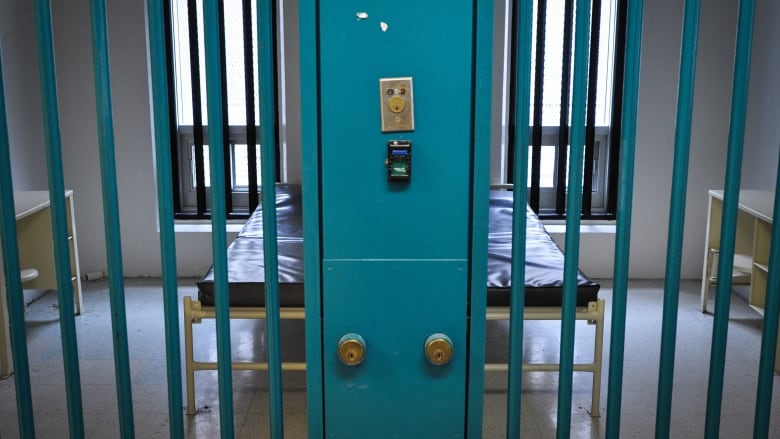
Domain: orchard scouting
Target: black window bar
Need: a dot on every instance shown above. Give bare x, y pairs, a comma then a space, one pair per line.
197, 115
590, 124
563, 127
536, 127
617, 105
171, 79
225, 121
249, 92
536, 130
202, 210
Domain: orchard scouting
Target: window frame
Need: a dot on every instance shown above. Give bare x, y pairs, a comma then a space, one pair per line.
190, 201
188, 181
599, 180
602, 143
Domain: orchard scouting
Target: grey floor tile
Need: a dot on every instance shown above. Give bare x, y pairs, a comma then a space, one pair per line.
539, 416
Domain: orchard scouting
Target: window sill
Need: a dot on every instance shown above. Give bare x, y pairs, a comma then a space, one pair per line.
604, 228
204, 227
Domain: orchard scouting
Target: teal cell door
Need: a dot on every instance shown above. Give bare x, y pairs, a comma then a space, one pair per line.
395, 170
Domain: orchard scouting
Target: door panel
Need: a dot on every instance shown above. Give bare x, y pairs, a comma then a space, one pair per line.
427, 217
395, 253
394, 306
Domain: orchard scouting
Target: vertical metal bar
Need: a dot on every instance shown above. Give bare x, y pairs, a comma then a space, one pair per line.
617, 106
480, 184
308, 15
217, 145
522, 23
674, 245
590, 124
536, 135
111, 216
249, 92
769, 336
62, 264
630, 97
13, 281
536, 124
573, 205
266, 27
563, 126
197, 113
162, 140
729, 220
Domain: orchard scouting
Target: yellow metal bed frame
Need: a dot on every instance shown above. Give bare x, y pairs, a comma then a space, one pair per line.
194, 312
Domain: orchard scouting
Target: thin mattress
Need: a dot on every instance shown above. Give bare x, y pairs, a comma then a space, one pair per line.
246, 274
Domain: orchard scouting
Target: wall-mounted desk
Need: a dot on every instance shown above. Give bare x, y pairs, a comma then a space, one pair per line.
36, 250
751, 250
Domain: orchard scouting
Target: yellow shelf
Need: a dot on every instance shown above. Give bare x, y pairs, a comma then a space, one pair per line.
751, 247
761, 267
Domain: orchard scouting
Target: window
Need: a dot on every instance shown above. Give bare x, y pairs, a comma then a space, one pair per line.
240, 110
239, 164
550, 115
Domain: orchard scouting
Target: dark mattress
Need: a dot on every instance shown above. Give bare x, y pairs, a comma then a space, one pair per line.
246, 276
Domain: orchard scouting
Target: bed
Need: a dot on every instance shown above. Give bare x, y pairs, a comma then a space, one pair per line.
246, 279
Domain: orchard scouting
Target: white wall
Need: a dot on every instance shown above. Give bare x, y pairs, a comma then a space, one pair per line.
656, 125
135, 173
655, 132
291, 126
760, 160
20, 73
78, 128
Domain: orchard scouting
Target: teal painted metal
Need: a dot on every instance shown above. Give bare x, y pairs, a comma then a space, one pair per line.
395, 305
481, 98
399, 248
573, 207
162, 140
729, 220
522, 16
265, 28
623, 224
116, 287
13, 281
310, 164
674, 247
343, 56
353, 146
212, 30
53, 142
769, 337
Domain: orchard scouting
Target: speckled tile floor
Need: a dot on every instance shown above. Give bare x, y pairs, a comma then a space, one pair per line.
250, 389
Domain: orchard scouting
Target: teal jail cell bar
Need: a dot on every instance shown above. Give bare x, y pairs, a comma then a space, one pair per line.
393, 133
395, 156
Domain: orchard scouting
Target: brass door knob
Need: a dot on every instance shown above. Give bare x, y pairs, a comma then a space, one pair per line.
352, 349
438, 349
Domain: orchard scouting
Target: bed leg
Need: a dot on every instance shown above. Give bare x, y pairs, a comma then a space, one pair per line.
597, 358
189, 357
